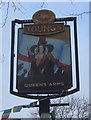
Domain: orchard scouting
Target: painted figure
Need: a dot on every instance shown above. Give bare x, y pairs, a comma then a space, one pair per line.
42, 64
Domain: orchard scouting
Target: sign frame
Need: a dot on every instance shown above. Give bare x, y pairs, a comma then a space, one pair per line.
62, 93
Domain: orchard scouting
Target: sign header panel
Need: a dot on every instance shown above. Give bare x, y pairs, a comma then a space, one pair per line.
44, 29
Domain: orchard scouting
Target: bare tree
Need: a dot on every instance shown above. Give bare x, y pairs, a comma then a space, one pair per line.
81, 108
78, 108
15, 4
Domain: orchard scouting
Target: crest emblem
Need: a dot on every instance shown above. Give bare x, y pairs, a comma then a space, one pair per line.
43, 16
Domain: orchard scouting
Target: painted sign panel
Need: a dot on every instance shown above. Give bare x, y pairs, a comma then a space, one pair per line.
44, 61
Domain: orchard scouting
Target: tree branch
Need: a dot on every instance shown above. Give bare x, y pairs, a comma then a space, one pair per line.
43, 3
20, 4
80, 14
7, 11
15, 5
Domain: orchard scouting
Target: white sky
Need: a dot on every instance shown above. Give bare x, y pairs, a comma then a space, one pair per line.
61, 9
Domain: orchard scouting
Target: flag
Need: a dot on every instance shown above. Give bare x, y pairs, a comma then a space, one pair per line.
17, 108
6, 113
32, 104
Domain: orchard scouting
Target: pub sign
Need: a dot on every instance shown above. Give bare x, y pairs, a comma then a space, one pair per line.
44, 60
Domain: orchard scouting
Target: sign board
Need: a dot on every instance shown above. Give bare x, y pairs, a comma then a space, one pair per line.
44, 60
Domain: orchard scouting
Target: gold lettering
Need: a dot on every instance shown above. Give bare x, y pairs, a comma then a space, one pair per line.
28, 28
54, 84
33, 85
50, 84
58, 84
40, 84
33, 28
36, 85
46, 28
25, 85
52, 28
40, 28
45, 84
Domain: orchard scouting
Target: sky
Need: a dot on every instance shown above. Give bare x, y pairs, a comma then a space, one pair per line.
62, 10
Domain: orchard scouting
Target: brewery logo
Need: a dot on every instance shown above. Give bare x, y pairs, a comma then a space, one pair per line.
43, 16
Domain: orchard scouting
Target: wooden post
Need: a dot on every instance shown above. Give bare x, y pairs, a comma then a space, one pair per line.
44, 109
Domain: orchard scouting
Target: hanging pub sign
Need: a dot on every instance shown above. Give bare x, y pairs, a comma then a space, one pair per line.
44, 60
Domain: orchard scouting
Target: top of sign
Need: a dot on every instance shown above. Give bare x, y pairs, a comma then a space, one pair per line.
43, 16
